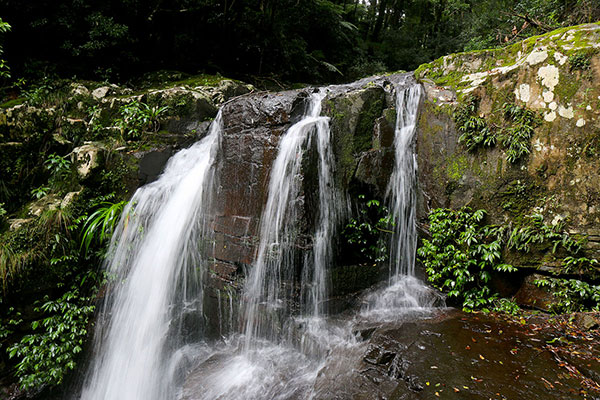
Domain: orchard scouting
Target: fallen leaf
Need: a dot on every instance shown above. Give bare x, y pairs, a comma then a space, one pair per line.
549, 384
482, 357
437, 394
467, 347
456, 390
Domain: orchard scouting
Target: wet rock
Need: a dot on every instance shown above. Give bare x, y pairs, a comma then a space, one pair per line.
459, 356
530, 295
152, 163
587, 321
560, 173
364, 334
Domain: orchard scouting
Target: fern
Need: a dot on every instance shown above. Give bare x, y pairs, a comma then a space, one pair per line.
101, 223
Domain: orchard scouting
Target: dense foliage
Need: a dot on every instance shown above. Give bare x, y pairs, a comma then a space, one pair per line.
44, 339
513, 131
368, 231
462, 253
296, 40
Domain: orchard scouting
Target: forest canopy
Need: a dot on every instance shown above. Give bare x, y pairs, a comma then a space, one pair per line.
293, 40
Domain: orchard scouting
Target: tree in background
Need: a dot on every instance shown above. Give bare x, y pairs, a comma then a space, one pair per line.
308, 40
4, 69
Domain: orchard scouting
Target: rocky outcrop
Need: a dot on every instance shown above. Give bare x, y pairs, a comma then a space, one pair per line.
556, 76
362, 119
453, 355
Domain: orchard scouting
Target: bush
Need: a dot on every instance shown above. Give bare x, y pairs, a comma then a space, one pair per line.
137, 118
368, 230
49, 353
461, 255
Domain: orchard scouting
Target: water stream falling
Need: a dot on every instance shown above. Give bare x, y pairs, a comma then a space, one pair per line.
153, 266
276, 263
404, 291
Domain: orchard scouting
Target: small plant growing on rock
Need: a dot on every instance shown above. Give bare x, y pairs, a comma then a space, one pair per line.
519, 125
475, 131
573, 295
368, 229
58, 166
137, 118
39, 192
516, 137
100, 225
580, 61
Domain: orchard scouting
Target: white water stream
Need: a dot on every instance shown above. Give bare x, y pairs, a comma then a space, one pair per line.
271, 284
152, 255
404, 291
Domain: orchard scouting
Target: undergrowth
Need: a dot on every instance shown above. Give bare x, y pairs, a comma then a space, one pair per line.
463, 252
514, 134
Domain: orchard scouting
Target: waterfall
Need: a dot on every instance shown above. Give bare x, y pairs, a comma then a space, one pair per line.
271, 282
154, 267
401, 190
149, 334
404, 291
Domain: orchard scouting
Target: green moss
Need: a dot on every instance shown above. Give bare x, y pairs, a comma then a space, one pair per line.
567, 87
457, 167
363, 137
200, 80
13, 102
437, 72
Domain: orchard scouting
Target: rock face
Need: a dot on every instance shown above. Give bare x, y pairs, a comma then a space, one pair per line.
557, 76
362, 125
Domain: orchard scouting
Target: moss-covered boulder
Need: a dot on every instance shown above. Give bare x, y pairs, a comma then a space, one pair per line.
554, 80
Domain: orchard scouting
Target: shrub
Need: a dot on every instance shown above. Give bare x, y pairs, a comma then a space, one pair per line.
101, 223
49, 353
137, 118
461, 255
474, 130
368, 229
516, 136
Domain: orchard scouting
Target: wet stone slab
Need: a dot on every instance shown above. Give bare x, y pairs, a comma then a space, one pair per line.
468, 356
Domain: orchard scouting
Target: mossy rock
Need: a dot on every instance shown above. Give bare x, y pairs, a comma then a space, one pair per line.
352, 124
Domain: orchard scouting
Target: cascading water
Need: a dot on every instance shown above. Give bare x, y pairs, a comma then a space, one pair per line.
275, 264
285, 337
401, 191
154, 266
404, 290
276, 356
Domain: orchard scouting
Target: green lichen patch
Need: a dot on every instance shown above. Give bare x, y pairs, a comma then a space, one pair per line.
462, 71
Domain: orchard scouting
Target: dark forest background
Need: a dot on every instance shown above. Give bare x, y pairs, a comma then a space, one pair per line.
289, 40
